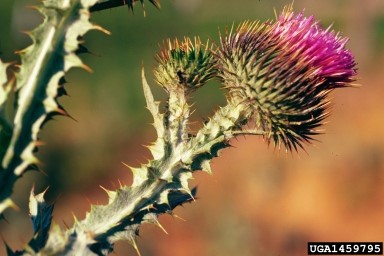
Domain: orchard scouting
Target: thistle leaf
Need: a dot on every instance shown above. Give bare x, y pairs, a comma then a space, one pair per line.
39, 82
153, 107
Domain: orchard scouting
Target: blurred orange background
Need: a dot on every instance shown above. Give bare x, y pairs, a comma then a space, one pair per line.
260, 200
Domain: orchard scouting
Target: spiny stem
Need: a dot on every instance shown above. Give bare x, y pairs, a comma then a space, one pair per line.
177, 117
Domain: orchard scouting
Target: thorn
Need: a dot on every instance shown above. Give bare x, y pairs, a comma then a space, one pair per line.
43, 172
13, 205
101, 29
20, 52
28, 33
157, 223
65, 224
61, 111
189, 192
126, 165
106, 190
86, 67
176, 216
43, 193
74, 217
134, 245
33, 190
103, 188
89, 200
32, 7
39, 143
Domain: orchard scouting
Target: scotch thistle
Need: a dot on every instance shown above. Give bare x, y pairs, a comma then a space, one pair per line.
276, 76
282, 72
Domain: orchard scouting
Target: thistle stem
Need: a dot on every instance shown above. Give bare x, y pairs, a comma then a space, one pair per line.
177, 117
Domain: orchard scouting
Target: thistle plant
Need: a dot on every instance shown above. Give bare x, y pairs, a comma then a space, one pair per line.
276, 77
281, 74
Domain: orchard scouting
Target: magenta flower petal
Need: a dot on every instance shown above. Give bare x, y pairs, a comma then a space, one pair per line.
320, 48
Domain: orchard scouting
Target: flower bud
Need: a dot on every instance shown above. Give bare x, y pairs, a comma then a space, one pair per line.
185, 65
282, 72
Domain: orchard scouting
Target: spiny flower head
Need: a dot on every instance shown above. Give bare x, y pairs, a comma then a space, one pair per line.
185, 65
282, 72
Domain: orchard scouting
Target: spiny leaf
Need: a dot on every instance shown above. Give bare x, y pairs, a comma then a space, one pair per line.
40, 79
153, 107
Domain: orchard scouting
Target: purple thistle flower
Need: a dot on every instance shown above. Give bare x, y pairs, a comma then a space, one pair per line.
324, 50
282, 73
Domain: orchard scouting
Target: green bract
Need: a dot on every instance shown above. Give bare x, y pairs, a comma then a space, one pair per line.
186, 64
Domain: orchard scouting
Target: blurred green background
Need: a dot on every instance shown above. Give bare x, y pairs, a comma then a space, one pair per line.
260, 201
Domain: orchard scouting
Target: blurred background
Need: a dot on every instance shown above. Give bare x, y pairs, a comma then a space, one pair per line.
260, 201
